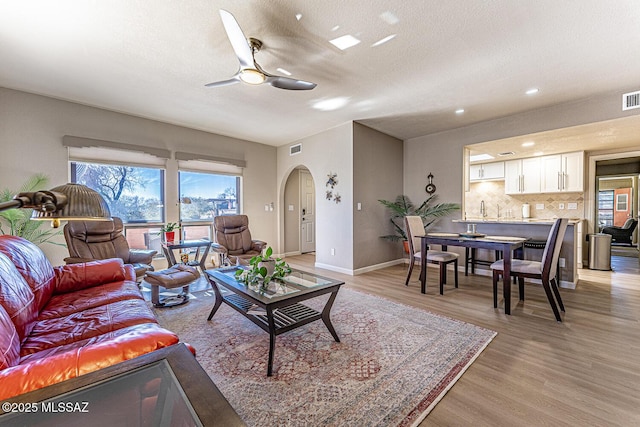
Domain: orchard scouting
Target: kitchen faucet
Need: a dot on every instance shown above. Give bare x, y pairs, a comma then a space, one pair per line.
483, 211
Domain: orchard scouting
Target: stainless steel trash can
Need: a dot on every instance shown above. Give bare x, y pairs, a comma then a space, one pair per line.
600, 251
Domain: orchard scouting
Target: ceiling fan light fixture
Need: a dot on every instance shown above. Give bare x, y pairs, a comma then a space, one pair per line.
252, 76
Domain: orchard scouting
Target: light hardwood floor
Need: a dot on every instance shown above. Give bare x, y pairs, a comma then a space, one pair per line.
584, 371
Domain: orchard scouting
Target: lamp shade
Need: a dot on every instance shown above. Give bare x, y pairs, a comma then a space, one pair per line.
82, 204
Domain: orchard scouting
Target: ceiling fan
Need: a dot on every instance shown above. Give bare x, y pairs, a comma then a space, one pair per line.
250, 72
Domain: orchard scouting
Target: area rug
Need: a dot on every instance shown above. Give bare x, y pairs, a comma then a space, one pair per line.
393, 364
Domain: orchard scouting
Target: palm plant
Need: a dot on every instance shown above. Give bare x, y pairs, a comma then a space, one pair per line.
17, 221
403, 206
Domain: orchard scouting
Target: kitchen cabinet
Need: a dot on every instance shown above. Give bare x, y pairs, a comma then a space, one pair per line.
522, 176
486, 171
562, 173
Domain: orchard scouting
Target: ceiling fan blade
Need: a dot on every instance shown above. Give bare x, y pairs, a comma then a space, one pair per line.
289, 83
228, 82
238, 40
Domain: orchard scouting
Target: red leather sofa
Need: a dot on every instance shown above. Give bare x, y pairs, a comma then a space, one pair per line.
57, 323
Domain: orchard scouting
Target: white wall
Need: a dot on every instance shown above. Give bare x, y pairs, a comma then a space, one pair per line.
328, 151
32, 127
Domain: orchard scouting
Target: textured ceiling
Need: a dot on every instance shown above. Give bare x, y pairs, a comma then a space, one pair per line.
152, 58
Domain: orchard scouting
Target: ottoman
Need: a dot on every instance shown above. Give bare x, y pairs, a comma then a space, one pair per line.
179, 275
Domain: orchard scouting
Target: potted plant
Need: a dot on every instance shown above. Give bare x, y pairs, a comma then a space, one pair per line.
403, 206
169, 231
263, 269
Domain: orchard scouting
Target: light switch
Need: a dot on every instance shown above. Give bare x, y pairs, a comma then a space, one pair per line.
572, 206
539, 206
291, 208
359, 206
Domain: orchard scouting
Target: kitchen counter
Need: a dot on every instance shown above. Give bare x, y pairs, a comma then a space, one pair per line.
541, 221
571, 253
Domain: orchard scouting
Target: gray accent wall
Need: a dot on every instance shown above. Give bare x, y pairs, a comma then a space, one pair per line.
377, 174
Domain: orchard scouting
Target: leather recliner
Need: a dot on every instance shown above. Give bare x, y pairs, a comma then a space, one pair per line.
96, 240
624, 234
234, 239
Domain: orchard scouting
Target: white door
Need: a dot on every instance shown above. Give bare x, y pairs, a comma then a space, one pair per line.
307, 213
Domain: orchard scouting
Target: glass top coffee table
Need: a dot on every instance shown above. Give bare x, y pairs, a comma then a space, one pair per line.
276, 309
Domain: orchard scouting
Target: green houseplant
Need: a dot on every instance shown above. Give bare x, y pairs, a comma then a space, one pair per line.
428, 210
17, 221
263, 269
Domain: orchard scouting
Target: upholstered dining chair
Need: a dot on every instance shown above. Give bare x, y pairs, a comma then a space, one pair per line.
234, 240
93, 240
544, 270
415, 228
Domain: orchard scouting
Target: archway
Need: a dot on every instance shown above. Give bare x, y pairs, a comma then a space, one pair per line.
299, 212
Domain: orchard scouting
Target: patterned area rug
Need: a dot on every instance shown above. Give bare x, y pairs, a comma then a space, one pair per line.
393, 364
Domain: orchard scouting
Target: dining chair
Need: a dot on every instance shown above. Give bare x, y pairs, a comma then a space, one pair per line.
415, 228
544, 270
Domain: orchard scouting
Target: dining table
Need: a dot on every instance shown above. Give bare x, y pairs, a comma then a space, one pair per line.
506, 244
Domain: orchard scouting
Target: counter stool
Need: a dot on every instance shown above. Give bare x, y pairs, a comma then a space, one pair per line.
179, 275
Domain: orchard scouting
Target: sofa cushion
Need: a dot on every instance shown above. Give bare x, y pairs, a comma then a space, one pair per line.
72, 302
9, 341
17, 298
72, 277
89, 323
34, 373
32, 264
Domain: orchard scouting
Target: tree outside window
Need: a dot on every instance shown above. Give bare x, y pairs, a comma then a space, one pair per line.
204, 196
134, 194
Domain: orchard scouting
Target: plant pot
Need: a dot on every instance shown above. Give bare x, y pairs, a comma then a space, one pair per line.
406, 246
270, 265
169, 236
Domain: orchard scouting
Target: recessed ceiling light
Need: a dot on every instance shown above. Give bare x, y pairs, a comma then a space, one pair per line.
331, 103
538, 153
460, 111
532, 91
344, 42
298, 16
389, 17
384, 40
283, 71
528, 144
506, 153
479, 157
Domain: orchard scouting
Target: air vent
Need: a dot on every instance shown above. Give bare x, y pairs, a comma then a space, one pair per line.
506, 153
295, 149
631, 100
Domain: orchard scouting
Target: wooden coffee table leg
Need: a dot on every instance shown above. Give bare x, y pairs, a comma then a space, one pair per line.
218, 302
325, 315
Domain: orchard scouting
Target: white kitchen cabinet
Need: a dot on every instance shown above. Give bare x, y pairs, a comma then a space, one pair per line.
486, 171
563, 173
522, 176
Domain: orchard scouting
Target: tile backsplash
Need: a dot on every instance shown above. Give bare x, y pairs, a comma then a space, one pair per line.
492, 192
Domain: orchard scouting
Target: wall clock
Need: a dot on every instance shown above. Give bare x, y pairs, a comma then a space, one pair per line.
430, 188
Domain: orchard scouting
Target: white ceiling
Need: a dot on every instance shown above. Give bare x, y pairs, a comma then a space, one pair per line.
152, 58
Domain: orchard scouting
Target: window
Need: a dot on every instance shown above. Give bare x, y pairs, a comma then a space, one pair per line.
622, 202
605, 208
134, 194
204, 196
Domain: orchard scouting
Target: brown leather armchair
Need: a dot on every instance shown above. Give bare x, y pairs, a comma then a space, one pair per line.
93, 240
234, 239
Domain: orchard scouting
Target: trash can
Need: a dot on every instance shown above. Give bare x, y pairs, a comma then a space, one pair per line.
600, 251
